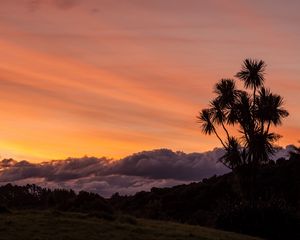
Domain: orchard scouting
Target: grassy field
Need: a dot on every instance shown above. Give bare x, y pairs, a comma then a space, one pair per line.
58, 226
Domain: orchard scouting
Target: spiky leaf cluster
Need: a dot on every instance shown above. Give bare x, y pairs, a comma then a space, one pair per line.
253, 112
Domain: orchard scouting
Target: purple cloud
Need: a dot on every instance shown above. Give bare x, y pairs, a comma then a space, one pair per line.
140, 171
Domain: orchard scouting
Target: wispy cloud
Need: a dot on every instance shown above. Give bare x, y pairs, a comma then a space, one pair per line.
133, 74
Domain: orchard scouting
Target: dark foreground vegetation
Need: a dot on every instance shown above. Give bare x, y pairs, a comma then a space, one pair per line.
47, 225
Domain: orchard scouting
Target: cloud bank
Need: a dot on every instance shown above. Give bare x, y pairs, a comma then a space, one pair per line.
137, 172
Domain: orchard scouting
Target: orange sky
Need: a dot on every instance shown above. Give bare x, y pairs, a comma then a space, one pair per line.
115, 77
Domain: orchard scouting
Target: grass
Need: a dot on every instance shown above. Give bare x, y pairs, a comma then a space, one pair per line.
41, 225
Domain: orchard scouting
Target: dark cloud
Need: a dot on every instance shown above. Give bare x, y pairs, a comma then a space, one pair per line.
163, 163
56, 171
140, 171
6, 163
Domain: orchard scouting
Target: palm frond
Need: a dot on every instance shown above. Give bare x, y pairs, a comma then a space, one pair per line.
252, 73
205, 119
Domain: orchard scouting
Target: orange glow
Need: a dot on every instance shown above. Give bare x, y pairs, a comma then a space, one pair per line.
103, 78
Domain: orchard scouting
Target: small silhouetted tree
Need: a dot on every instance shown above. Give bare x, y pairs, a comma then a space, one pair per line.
295, 153
254, 110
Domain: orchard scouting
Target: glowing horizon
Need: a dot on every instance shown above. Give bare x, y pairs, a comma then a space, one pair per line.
109, 79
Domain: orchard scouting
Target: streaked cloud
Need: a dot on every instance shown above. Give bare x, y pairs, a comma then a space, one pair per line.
105, 77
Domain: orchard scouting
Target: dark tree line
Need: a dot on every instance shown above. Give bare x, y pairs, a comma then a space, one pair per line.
32, 196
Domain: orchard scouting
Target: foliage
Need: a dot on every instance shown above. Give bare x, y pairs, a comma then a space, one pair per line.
295, 153
253, 112
32, 196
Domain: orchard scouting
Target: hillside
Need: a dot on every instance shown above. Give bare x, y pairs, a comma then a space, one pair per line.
220, 202
57, 225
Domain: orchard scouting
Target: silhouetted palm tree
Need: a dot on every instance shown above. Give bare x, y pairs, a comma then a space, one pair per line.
254, 114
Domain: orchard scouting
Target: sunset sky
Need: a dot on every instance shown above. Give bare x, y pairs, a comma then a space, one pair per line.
110, 78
